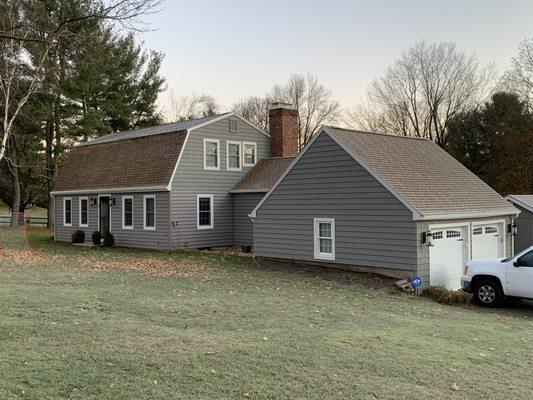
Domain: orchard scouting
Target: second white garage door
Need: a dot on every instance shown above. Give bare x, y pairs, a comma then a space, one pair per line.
447, 257
487, 241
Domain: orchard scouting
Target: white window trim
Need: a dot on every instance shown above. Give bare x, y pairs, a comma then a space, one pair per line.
124, 226
217, 142
244, 144
227, 156
65, 199
79, 212
145, 197
212, 224
318, 254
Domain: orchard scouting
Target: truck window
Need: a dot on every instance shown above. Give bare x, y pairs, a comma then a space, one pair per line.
526, 260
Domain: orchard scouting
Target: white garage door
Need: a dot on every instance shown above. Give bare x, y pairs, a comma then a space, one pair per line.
447, 257
487, 241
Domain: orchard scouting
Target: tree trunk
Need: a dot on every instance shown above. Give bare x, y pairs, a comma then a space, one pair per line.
15, 205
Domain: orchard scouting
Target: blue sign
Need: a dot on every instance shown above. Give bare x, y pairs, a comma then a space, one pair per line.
416, 281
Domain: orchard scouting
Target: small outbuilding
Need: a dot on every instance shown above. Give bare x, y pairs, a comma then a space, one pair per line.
524, 222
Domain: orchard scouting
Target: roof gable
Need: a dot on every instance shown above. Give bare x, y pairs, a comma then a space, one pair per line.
426, 179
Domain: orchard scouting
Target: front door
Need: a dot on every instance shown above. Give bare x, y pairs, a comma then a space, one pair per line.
104, 214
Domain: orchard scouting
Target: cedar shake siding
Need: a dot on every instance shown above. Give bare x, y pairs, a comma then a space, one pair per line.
372, 227
192, 179
136, 237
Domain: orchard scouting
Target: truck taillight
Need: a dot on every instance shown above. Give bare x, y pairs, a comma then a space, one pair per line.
465, 270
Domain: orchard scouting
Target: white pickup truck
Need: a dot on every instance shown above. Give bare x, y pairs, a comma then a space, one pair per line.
491, 280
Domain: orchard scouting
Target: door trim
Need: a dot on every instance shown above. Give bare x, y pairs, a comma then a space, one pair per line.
104, 195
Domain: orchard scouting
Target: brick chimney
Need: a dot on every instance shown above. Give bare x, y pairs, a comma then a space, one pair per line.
283, 123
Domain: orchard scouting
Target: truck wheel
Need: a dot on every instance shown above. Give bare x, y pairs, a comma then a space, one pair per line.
487, 293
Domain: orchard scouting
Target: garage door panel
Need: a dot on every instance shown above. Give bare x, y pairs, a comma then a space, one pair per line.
487, 241
447, 257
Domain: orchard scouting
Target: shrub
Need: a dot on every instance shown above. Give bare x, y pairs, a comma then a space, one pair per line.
445, 296
109, 239
97, 238
78, 237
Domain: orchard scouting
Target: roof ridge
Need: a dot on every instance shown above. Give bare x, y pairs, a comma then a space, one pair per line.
377, 133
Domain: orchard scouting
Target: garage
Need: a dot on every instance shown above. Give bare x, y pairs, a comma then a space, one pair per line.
447, 256
487, 241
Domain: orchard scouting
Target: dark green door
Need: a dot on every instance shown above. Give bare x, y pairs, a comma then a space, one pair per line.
104, 214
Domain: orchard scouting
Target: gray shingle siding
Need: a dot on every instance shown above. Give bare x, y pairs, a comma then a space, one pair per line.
136, 237
372, 227
191, 179
524, 223
243, 227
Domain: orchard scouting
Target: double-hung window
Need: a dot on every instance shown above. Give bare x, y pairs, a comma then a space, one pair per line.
211, 154
234, 156
67, 211
204, 211
249, 150
127, 212
149, 212
84, 212
324, 238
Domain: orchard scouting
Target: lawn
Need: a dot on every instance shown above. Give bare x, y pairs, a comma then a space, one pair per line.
80, 323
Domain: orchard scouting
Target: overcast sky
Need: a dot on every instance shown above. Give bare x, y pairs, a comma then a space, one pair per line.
231, 49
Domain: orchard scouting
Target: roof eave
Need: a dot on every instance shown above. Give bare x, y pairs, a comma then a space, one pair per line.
467, 215
514, 200
111, 190
248, 190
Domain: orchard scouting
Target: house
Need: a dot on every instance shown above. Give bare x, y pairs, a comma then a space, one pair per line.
524, 222
397, 205
169, 186
394, 205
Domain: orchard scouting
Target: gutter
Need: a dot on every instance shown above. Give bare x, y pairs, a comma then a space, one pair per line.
487, 214
112, 190
249, 191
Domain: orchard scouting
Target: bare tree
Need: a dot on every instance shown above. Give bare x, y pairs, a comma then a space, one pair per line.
423, 90
314, 102
179, 108
127, 13
519, 78
254, 109
21, 74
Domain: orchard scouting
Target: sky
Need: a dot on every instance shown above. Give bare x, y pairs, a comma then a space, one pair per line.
232, 49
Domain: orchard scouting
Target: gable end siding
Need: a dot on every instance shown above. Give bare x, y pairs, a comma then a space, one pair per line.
524, 223
372, 227
192, 179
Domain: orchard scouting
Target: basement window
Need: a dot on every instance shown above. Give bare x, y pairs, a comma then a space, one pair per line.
67, 211
324, 238
204, 211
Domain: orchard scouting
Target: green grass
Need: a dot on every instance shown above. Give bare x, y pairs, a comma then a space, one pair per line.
237, 329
